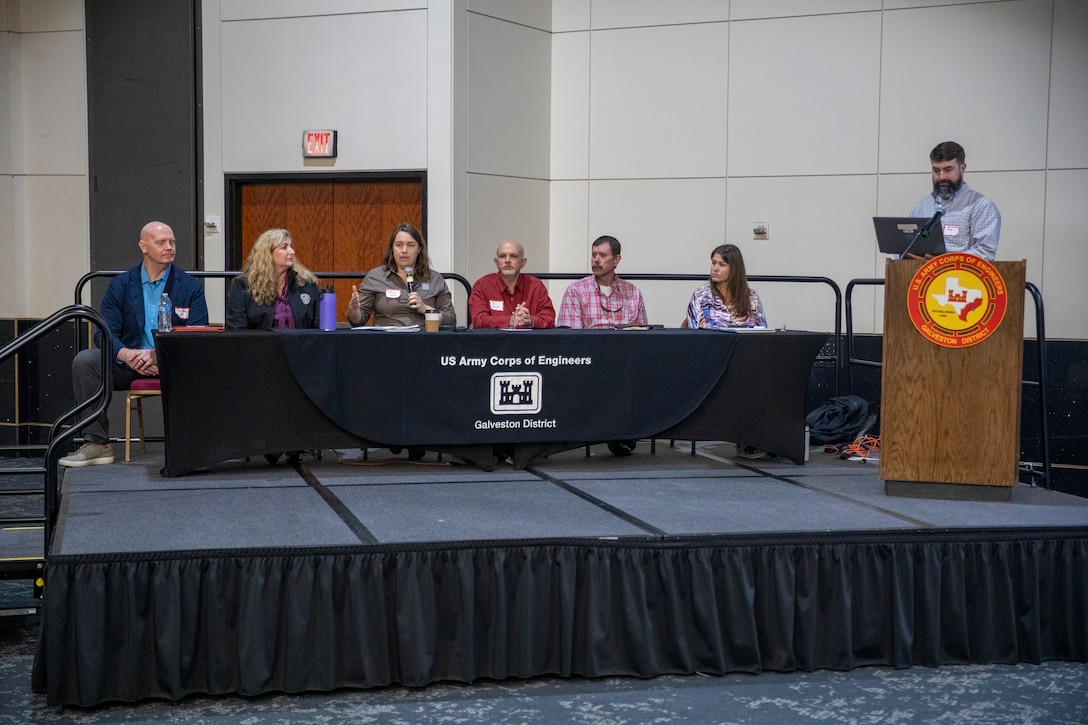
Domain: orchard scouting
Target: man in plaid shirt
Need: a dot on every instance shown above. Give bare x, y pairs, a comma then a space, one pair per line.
971, 223
603, 300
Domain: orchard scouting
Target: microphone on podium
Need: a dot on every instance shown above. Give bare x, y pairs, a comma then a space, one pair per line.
923, 232
409, 277
929, 225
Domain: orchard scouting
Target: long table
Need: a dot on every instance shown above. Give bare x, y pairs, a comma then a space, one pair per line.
472, 394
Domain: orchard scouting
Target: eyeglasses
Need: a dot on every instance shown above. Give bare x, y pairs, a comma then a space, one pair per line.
607, 301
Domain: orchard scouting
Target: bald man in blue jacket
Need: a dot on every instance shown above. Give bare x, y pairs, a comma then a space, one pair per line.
130, 309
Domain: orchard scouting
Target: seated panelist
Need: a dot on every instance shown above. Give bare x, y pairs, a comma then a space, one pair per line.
399, 291
508, 298
602, 300
274, 290
727, 301
130, 309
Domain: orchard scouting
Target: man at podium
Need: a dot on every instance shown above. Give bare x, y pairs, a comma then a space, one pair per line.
971, 222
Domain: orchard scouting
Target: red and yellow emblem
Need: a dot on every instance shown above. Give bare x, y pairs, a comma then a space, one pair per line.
957, 299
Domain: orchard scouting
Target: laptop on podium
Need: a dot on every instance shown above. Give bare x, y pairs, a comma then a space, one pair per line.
894, 235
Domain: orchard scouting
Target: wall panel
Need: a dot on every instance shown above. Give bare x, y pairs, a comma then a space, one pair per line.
658, 102
804, 94
983, 81
509, 98
1067, 142
142, 132
363, 74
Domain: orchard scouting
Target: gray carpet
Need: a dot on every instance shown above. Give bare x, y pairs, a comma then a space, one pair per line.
1052, 693
707, 492
131, 507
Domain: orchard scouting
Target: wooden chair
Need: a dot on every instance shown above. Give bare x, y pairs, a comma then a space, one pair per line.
140, 389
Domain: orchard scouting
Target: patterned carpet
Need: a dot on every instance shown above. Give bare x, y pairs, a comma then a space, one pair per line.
1051, 693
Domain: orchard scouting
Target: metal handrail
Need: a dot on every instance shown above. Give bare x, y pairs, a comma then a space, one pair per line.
1041, 383
58, 435
228, 274
1040, 343
835, 357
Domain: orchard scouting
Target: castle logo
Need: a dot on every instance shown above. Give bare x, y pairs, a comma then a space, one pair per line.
957, 300
515, 393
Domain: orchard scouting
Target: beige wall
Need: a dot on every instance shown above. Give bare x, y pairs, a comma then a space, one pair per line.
377, 71
43, 155
672, 125
508, 101
676, 125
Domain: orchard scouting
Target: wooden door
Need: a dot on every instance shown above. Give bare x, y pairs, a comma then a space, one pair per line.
340, 225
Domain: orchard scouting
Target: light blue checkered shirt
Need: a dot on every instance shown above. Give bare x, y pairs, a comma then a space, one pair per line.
971, 222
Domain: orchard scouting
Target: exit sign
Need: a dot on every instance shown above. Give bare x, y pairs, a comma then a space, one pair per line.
319, 144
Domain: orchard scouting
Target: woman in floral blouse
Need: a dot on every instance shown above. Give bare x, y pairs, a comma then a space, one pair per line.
727, 301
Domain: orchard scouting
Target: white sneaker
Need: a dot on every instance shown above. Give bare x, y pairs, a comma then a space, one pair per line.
89, 454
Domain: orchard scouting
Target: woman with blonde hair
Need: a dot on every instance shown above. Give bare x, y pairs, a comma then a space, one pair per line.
274, 290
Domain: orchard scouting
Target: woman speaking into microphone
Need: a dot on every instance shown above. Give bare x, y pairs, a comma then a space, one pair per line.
399, 291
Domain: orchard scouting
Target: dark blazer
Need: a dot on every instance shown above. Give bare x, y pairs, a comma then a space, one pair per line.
123, 305
243, 312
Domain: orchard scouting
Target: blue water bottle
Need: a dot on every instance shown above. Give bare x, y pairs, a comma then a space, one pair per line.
327, 311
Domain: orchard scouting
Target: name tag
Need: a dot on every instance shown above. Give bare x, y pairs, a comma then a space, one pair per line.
497, 305
182, 312
393, 294
951, 230
426, 286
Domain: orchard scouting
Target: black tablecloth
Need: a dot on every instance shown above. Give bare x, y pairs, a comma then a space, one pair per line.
447, 388
235, 394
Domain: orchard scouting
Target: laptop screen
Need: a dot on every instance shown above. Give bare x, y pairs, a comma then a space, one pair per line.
895, 233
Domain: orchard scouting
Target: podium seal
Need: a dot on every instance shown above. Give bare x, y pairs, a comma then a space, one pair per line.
957, 299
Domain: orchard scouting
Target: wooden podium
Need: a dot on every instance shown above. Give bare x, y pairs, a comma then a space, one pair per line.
950, 416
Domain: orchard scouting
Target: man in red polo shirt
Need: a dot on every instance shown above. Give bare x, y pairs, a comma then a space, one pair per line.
508, 298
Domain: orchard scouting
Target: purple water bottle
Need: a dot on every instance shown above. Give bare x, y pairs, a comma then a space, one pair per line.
328, 309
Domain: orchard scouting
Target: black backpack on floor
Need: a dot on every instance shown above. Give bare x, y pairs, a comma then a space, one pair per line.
839, 420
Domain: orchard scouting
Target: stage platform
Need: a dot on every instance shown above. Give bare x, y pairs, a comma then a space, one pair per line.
339, 572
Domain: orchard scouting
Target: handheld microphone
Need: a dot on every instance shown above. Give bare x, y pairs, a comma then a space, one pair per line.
410, 278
